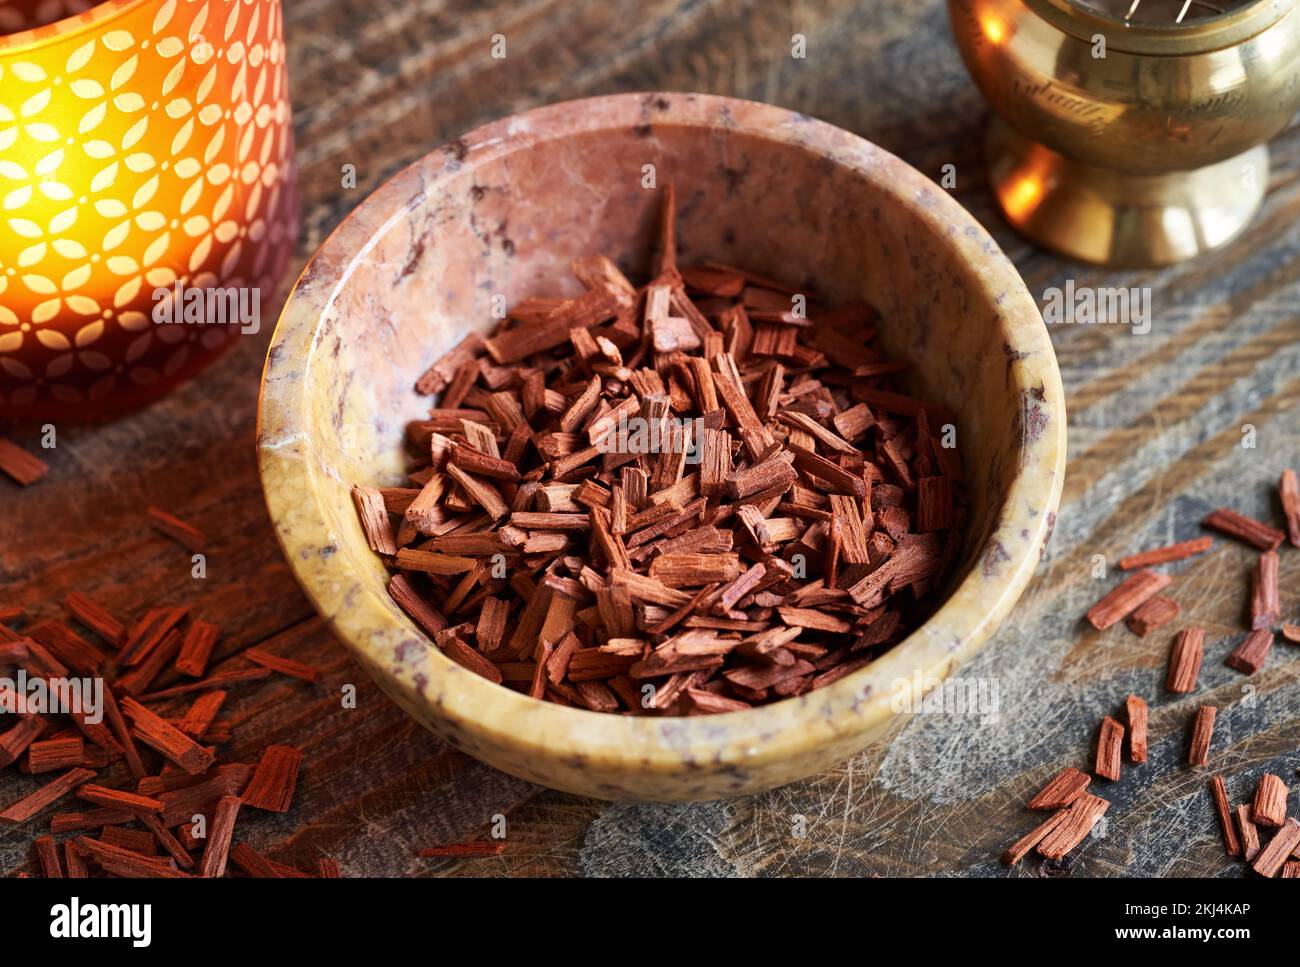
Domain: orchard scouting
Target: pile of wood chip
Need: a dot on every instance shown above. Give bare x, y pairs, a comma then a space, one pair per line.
145, 764
1259, 832
693, 496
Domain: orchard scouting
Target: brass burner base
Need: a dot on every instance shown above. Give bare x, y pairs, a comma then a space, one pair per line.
1121, 220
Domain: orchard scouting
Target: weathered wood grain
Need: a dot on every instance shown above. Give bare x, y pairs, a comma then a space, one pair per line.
1155, 441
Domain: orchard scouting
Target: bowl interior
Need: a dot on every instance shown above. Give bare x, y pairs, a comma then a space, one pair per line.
508, 228
500, 215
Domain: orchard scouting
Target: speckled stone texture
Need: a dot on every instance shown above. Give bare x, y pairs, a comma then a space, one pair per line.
503, 210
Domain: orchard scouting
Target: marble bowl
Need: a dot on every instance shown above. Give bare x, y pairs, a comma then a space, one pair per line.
503, 210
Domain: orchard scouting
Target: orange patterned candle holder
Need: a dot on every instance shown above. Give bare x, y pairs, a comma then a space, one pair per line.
148, 197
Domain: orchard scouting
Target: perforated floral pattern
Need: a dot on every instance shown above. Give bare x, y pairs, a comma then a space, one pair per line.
139, 147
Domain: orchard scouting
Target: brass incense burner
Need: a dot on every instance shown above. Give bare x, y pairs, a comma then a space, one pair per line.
1131, 133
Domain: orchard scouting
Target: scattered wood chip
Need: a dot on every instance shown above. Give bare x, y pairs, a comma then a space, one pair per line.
274, 780
118, 799
1250, 655
254, 864
1110, 745
113, 712
1185, 660
1156, 612
1289, 492
54, 754
1270, 801
1126, 598
1025, 845
170, 742
1136, 709
196, 649
1265, 603
1063, 788
54, 790
74, 862
96, 618
17, 739
1163, 555
220, 831
1202, 732
119, 861
1244, 528
285, 666
20, 465
1248, 832
1227, 826
1080, 817
47, 855
178, 530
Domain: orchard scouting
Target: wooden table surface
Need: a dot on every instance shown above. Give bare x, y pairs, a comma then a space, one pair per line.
1156, 430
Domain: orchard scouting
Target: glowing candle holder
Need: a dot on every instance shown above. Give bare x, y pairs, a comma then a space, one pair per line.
146, 151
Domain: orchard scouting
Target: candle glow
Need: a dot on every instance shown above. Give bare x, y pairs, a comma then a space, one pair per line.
143, 145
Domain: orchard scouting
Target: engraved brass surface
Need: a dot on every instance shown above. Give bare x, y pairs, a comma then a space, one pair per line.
1132, 143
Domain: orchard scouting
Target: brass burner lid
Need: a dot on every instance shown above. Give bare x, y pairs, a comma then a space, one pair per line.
1207, 31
